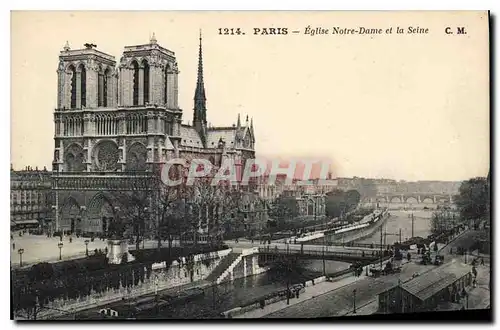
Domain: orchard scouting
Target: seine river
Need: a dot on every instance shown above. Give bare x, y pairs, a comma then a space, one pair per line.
401, 220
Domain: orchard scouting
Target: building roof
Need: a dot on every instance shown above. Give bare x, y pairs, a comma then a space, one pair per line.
227, 134
432, 282
168, 144
190, 138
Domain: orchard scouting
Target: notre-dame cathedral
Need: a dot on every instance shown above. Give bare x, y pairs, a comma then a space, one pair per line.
114, 124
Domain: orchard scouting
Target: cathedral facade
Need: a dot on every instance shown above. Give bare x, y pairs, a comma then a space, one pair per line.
116, 124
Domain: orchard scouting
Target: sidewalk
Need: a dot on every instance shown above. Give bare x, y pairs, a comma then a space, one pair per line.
366, 309
310, 293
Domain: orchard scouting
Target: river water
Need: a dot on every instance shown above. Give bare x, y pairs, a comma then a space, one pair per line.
401, 220
246, 290
240, 292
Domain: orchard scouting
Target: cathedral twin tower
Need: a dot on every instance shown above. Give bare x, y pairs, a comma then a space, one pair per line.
123, 118
147, 74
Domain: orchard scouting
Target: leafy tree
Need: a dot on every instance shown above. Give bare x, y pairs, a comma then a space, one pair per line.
473, 199
339, 202
352, 198
284, 207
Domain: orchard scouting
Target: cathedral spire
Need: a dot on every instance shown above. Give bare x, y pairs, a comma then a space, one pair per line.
199, 95
200, 109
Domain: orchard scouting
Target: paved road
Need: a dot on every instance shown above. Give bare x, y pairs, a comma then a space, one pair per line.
340, 302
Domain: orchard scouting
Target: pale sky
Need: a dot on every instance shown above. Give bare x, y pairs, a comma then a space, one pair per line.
412, 107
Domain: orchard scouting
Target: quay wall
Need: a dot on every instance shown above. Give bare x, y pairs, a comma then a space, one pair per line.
161, 278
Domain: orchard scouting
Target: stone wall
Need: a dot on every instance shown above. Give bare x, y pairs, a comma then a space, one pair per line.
177, 274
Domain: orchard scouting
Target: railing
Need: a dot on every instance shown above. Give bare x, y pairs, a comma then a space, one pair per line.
317, 253
360, 245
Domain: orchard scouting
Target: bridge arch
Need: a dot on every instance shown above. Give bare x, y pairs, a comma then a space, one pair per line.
411, 200
427, 200
396, 200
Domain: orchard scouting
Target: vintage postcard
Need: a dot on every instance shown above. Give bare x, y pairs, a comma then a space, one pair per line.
222, 165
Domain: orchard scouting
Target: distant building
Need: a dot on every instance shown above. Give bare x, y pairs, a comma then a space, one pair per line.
306, 204
250, 216
30, 198
428, 291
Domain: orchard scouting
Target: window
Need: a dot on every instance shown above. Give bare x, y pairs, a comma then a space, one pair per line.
146, 82
165, 92
73, 87
83, 87
135, 67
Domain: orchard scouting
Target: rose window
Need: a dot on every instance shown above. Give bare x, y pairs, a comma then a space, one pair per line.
107, 156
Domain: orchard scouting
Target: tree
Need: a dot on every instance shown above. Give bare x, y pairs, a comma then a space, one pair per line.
473, 199
132, 215
284, 208
352, 198
171, 207
335, 203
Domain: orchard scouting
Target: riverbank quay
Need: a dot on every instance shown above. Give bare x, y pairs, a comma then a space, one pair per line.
333, 302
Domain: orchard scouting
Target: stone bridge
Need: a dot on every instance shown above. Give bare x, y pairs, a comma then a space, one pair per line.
270, 255
410, 198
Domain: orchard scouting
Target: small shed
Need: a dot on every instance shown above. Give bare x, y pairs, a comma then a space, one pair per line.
425, 292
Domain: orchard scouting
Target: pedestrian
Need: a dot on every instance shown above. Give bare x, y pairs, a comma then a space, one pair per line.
482, 261
70, 239
474, 283
13, 246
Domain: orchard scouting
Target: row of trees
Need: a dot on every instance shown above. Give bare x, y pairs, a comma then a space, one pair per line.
473, 199
168, 212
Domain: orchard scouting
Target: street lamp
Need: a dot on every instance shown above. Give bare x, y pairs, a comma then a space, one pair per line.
86, 247
354, 301
60, 245
143, 234
20, 251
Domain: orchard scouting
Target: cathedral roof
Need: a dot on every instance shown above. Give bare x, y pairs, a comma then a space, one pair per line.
168, 144
190, 137
227, 134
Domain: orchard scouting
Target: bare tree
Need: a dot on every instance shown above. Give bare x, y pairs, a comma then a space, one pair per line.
134, 210
171, 214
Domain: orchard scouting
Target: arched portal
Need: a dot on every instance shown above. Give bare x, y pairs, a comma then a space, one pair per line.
310, 207
70, 219
100, 214
428, 200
